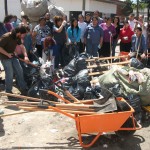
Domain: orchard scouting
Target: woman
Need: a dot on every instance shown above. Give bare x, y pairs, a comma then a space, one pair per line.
26, 22
126, 36
74, 32
83, 26
40, 31
109, 33
60, 37
93, 37
116, 23
87, 19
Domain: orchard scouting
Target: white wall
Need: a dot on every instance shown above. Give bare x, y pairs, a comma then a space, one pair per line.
14, 8
102, 7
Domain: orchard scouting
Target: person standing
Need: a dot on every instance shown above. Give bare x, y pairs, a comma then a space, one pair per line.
60, 37
125, 36
49, 22
87, 19
82, 25
116, 23
109, 33
40, 32
7, 23
8, 43
93, 37
132, 21
97, 14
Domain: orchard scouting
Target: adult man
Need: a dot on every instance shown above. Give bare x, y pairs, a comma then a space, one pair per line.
8, 43
139, 44
49, 23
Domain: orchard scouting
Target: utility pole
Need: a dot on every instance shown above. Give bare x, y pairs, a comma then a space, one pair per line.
6, 8
83, 7
137, 9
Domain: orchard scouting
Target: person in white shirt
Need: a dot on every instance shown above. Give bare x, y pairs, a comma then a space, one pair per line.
132, 21
83, 26
142, 24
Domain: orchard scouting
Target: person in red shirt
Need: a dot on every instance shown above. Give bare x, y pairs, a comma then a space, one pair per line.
125, 36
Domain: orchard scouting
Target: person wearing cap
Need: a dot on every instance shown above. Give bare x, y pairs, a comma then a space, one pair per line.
87, 19
125, 37
40, 32
8, 43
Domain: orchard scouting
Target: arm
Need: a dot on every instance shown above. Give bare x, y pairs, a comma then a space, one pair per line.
58, 30
24, 52
78, 35
2, 51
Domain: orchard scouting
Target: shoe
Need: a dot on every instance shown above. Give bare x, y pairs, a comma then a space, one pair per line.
1, 112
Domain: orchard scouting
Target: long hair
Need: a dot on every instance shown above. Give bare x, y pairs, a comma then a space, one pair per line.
57, 19
118, 23
72, 26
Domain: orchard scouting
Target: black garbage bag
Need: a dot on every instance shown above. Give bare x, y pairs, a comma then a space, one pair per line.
82, 78
89, 94
70, 69
37, 92
116, 90
80, 64
73, 51
136, 63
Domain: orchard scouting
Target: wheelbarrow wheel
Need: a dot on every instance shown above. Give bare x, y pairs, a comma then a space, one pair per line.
127, 124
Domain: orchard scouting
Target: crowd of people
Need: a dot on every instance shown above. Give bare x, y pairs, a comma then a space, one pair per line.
52, 36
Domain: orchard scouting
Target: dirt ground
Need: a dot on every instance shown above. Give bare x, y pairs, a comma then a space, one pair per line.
53, 131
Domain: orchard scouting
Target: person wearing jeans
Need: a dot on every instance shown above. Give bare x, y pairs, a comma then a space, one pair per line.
8, 43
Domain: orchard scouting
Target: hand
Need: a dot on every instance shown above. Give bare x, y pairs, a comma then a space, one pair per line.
143, 56
10, 55
26, 59
64, 23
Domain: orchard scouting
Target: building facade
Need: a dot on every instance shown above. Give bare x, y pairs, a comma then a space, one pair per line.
71, 7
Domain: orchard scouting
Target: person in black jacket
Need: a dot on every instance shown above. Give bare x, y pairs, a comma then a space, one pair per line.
49, 22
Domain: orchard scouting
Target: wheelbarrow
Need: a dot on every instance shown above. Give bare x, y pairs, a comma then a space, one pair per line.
89, 122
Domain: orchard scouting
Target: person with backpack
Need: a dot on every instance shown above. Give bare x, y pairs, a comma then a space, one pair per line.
93, 37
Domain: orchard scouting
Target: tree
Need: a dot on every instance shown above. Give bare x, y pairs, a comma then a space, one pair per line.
127, 9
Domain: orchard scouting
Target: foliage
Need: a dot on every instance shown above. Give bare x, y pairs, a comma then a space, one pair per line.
127, 9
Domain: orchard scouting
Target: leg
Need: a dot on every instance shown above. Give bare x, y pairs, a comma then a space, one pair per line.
95, 50
114, 47
19, 74
89, 48
8, 67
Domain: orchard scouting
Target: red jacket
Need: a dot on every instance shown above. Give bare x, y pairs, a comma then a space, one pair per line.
126, 32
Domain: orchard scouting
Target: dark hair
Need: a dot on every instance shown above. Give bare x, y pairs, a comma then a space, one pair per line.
139, 28
21, 30
15, 16
88, 14
72, 21
118, 23
42, 18
125, 21
132, 15
95, 18
8, 18
57, 19
107, 18
25, 17
96, 11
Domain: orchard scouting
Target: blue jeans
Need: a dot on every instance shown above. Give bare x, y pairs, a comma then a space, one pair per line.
12, 66
92, 49
114, 44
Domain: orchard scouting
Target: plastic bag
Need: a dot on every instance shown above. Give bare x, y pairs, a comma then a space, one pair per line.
136, 63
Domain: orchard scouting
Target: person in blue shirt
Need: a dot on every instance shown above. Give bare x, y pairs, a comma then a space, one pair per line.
139, 44
93, 37
74, 32
3, 30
